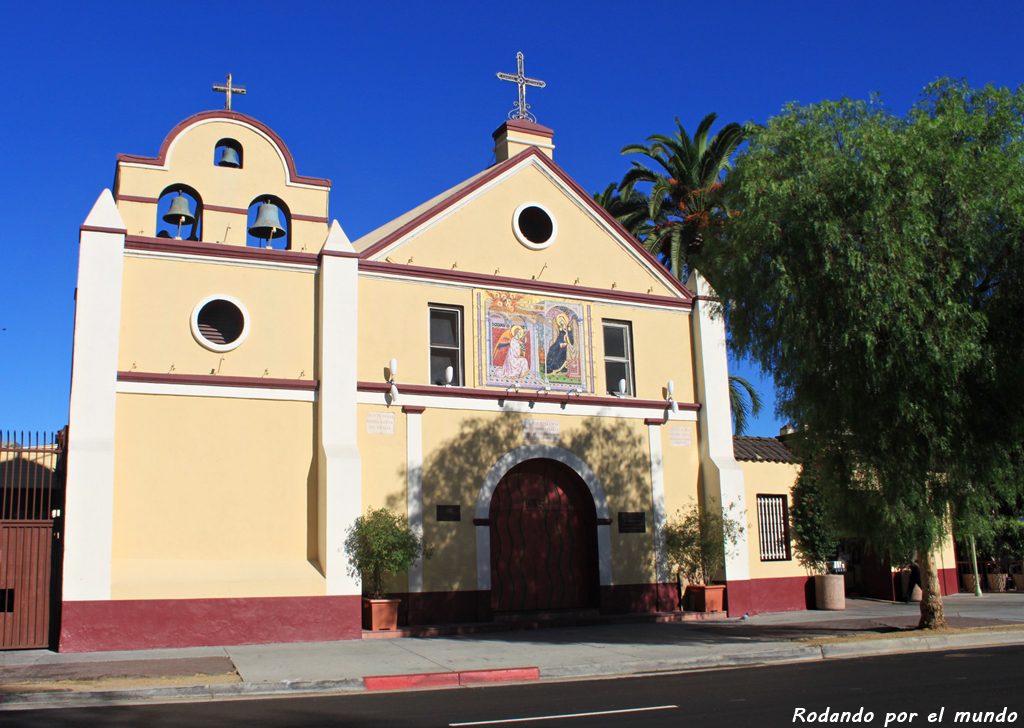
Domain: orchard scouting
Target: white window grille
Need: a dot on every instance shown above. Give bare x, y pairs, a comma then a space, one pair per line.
773, 528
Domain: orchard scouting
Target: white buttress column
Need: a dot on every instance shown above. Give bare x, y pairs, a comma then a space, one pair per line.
414, 487
658, 502
723, 478
89, 504
339, 471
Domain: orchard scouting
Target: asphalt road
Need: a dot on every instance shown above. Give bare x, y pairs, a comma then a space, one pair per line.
922, 684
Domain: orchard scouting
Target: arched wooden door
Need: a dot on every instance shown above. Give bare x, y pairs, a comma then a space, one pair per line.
543, 540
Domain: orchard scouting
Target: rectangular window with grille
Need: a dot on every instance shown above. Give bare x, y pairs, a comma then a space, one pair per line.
773, 528
445, 344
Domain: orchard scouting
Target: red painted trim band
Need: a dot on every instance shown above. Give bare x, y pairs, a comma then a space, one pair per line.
138, 198
337, 254
450, 679
308, 218
489, 281
412, 410
161, 157
532, 396
215, 380
98, 229
220, 250
527, 127
224, 208
655, 420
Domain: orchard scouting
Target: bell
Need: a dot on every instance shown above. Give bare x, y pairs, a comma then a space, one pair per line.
268, 222
178, 213
229, 158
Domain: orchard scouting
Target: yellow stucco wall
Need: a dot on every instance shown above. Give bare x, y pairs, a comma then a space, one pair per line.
478, 237
460, 448
394, 318
191, 161
213, 497
157, 301
766, 478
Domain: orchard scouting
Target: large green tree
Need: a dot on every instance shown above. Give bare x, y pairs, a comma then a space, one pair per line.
876, 271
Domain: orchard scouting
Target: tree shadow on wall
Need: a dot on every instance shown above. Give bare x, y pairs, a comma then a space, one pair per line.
453, 473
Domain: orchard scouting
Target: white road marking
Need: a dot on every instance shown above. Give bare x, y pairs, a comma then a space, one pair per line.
566, 715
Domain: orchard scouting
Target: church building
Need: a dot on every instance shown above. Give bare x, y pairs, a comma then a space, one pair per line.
503, 365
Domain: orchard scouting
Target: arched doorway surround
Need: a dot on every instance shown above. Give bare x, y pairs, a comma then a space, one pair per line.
509, 460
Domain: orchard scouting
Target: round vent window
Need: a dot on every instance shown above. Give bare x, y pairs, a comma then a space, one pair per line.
534, 226
220, 323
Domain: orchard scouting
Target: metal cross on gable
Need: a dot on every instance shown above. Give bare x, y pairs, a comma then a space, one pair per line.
522, 109
227, 90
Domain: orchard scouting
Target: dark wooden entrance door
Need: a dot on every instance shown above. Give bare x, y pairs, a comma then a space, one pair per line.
543, 540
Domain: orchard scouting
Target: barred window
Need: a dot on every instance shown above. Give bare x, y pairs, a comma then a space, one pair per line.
773, 528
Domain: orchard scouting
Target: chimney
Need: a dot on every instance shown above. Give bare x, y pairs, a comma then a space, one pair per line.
516, 135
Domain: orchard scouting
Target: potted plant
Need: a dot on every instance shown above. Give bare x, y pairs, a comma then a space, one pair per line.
695, 542
380, 544
815, 539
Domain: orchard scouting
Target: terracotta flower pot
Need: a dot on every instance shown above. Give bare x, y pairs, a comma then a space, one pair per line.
705, 597
380, 614
829, 591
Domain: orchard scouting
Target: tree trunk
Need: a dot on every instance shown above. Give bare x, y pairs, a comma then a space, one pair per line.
931, 594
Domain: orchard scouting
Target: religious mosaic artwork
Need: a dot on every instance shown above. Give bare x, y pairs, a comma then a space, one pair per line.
533, 342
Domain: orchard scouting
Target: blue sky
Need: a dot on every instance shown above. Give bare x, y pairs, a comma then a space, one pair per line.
396, 102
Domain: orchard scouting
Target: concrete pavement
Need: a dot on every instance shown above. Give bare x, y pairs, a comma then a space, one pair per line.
39, 677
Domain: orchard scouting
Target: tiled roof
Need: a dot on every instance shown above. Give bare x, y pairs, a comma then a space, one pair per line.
762, 449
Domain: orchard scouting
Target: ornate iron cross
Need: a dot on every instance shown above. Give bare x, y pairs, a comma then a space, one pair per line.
522, 109
227, 90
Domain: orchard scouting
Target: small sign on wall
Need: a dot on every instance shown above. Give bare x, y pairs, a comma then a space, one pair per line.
541, 430
679, 436
380, 423
449, 513
632, 522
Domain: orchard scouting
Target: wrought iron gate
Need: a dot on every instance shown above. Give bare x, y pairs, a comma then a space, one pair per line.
31, 504
543, 540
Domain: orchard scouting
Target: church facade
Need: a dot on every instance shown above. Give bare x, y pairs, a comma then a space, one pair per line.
503, 365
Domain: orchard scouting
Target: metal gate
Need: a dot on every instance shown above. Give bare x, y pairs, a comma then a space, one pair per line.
31, 502
543, 540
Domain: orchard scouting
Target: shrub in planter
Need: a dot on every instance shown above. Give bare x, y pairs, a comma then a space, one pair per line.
696, 540
380, 544
815, 538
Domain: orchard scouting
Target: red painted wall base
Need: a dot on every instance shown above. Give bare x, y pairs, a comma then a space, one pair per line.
143, 624
947, 581
754, 596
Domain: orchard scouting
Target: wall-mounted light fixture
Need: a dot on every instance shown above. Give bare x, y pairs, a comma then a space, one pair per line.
392, 373
670, 389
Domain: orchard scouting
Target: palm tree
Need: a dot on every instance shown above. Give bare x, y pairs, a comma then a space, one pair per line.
626, 205
686, 197
745, 402
685, 201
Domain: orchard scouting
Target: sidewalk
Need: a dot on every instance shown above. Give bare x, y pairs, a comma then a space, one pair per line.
40, 678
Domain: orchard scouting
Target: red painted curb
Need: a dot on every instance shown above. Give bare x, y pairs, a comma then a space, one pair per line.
450, 679
470, 677
404, 682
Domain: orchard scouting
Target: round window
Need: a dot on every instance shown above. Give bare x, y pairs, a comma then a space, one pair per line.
534, 226
220, 323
